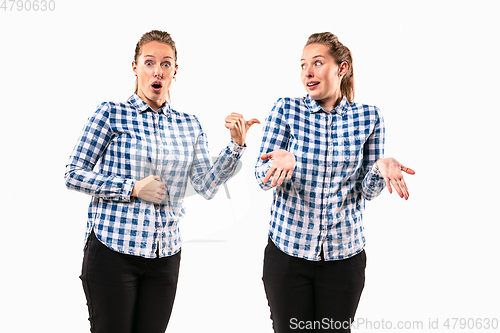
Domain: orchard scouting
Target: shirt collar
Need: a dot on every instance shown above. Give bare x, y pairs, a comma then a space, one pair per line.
142, 106
314, 107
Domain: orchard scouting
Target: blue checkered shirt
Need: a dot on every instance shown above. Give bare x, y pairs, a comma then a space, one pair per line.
321, 207
125, 142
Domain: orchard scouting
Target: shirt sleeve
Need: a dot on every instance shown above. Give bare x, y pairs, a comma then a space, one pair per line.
276, 135
88, 150
206, 178
373, 183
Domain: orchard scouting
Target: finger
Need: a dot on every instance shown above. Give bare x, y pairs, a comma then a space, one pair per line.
265, 157
231, 124
289, 175
276, 176
282, 177
154, 199
269, 174
242, 124
156, 178
405, 189
397, 188
253, 121
407, 170
388, 184
234, 115
234, 119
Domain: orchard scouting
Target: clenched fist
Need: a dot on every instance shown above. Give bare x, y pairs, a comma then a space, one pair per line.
238, 127
150, 189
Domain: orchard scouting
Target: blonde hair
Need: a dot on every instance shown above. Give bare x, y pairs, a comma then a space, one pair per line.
341, 54
153, 36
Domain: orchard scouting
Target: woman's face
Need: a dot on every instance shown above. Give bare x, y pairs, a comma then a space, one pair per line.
155, 69
321, 76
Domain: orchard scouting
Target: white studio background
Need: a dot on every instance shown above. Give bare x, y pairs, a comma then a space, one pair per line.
431, 66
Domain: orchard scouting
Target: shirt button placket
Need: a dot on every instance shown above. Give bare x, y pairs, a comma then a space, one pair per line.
156, 148
328, 176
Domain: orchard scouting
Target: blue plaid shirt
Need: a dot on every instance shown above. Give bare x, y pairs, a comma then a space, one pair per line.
125, 142
322, 206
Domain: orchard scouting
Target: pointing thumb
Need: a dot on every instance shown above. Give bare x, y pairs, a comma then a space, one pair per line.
253, 121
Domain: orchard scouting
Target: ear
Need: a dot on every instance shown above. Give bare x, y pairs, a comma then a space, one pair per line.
343, 68
176, 68
134, 67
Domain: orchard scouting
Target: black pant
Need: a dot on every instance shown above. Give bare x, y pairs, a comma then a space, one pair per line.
309, 296
125, 293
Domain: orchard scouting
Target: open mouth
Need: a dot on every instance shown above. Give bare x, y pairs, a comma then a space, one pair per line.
156, 85
312, 84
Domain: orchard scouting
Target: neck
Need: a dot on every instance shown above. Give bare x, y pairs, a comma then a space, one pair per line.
331, 103
154, 104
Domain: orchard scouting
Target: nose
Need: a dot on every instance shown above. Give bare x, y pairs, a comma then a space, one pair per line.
158, 72
309, 71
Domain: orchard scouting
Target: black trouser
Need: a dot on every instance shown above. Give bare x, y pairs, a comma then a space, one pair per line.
125, 293
312, 296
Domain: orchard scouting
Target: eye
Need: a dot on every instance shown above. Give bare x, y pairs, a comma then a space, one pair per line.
318, 63
148, 63
302, 66
166, 64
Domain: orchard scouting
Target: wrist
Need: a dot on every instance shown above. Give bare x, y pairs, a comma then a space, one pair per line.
240, 141
134, 190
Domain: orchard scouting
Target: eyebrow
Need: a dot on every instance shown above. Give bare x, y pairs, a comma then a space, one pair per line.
316, 56
150, 55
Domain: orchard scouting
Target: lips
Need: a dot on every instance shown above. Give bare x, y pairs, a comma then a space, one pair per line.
156, 86
311, 85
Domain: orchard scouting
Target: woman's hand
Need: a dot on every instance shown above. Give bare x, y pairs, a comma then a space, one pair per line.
391, 169
150, 189
282, 165
238, 127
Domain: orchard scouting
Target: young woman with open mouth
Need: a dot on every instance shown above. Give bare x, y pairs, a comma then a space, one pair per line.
323, 155
135, 159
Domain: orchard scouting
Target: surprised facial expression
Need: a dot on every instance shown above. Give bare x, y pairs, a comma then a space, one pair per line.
155, 69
